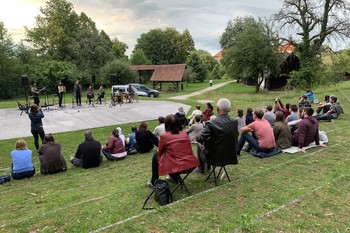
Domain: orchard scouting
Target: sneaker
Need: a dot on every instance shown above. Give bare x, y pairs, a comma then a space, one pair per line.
149, 184
198, 170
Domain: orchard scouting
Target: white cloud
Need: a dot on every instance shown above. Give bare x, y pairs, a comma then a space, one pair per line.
128, 19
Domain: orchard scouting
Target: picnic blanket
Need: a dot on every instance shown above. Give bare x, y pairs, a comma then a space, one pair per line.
294, 149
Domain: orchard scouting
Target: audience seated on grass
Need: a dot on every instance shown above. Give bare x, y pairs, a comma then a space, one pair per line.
195, 112
269, 115
121, 135
174, 154
207, 113
219, 137
249, 116
293, 113
51, 157
114, 150
278, 106
88, 154
146, 140
307, 131
130, 142
304, 102
240, 119
182, 116
333, 111
324, 106
159, 129
310, 95
263, 139
22, 165
281, 131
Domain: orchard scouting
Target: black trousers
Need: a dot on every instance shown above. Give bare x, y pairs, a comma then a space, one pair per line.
36, 133
155, 174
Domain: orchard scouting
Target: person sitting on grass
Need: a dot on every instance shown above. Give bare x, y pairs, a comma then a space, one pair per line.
195, 112
304, 102
310, 95
281, 131
280, 107
269, 115
263, 139
307, 131
240, 119
146, 140
174, 153
293, 113
51, 158
159, 129
88, 154
333, 111
325, 105
130, 142
249, 116
22, 165
114, 150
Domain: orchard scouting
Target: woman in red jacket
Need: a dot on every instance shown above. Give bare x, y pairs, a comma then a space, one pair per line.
174, 152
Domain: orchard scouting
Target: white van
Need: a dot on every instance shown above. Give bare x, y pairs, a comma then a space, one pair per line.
120, 89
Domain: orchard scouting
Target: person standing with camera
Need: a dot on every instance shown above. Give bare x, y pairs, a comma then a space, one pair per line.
36, 124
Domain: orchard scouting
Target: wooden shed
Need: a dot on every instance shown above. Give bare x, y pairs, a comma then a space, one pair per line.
163, 73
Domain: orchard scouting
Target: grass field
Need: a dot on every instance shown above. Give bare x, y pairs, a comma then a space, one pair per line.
304, 192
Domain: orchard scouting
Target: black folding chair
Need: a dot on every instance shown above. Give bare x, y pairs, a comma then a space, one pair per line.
181, 181
23, 107
213, 175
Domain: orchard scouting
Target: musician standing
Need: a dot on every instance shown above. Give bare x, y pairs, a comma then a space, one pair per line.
77, 91
35, 93
60, 92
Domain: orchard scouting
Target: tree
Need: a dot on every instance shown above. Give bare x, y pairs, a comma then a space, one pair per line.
165, 46
138, 57
55, 30
252, 51
9, 66
197, 66
207, 59
119, 68
315, 22
119, 48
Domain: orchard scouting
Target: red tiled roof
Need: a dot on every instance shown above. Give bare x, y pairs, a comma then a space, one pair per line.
218, 54
286, 47
164, 73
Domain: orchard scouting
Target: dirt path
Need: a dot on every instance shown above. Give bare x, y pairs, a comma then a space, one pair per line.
183, 97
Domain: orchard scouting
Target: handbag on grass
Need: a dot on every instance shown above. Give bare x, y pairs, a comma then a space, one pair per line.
162, 194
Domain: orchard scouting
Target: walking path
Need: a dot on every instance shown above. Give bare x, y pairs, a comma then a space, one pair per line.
216, 86
13, 125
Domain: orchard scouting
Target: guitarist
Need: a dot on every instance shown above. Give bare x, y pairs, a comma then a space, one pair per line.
35, 93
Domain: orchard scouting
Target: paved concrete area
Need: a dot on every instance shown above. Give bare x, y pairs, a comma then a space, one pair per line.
13, 125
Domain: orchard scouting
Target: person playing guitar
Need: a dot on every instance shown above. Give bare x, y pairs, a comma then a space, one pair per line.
35, 93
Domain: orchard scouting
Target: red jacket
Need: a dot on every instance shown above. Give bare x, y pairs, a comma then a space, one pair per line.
175, 153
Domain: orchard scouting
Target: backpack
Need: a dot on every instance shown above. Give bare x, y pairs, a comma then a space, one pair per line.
162, 194
4, 179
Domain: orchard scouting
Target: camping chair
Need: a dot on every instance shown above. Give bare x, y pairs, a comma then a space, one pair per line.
116, 99
213, 175
23, 107
181, 181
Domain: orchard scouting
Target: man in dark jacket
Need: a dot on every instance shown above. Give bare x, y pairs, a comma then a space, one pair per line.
307, 131
220, 137
88, 153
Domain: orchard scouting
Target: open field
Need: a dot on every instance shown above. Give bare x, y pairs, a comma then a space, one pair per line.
304, 192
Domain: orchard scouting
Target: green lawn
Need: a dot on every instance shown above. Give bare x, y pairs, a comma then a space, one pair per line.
304, 192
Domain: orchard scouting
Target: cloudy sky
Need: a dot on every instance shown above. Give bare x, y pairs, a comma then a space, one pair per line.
128, 19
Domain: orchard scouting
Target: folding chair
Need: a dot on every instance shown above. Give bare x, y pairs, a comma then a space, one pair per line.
181, 181
23, 107
213, 175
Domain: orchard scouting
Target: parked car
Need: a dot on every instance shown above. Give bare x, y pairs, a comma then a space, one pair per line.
124, 88
142, 88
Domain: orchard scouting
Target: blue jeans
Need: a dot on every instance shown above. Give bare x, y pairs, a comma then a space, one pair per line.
324, 117
252, 143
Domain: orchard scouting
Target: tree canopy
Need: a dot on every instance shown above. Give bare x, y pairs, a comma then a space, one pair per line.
252, 50
166, 46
